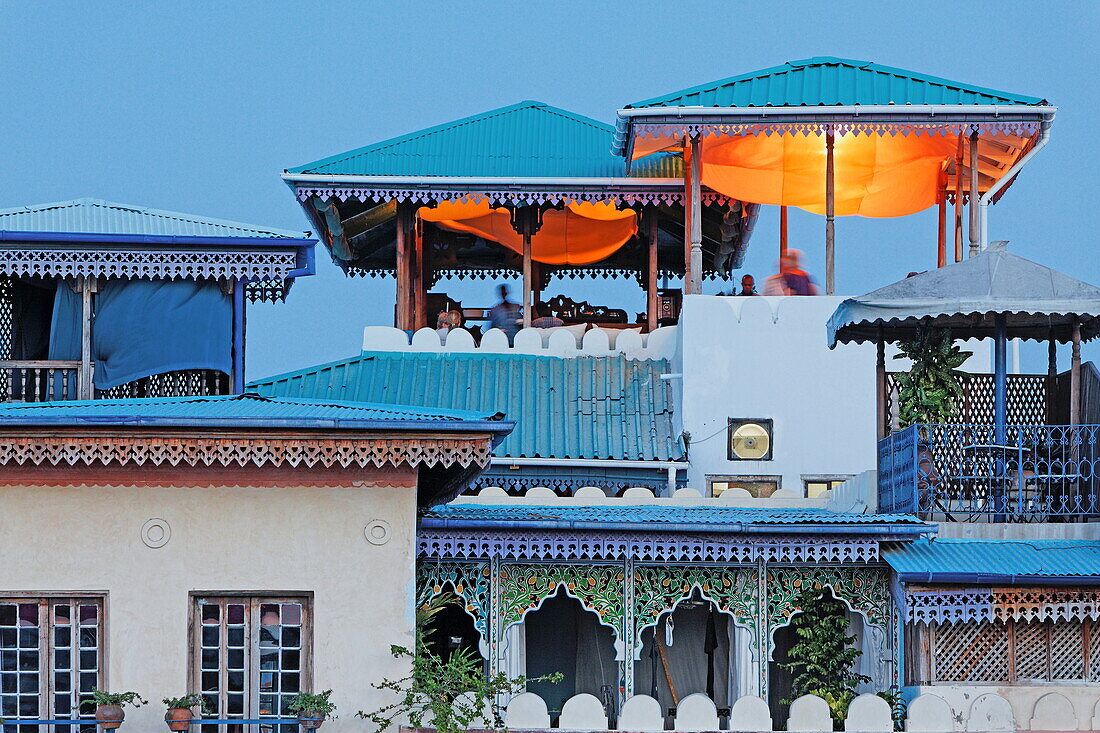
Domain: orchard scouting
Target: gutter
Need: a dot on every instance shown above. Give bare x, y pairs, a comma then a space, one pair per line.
502, 427
992, 579
625, 117
607, 182
685, 527
155, 239
986, 198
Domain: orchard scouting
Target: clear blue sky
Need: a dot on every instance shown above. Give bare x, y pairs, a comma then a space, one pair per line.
197, 107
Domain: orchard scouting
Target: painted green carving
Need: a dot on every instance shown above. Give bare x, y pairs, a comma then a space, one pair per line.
658, 590
470, 581
864, 589
598, 587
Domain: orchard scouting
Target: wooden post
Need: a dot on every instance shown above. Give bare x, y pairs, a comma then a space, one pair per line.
959, 203
941, 232
651, 273
782, 231
1052, 377
1075, 377
527, 272
239, 303
85, 390
403, 313
830, 215
419, 282
695, 176
883, 412
975, 215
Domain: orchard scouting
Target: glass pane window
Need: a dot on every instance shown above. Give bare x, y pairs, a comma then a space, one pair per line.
250, 658
50, 659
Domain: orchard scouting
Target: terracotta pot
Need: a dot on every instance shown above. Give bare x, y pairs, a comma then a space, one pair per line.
110, 716
310, 720
178, 718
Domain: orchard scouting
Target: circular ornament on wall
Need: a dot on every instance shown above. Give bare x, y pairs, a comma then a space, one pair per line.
377, 532
156, 533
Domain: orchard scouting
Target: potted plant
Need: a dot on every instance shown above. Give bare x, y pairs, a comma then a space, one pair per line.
109, 706
312, 708
180, 713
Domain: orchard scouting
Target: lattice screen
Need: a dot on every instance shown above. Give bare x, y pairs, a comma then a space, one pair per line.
7, 316
971, 652
1047, 651
1027, 400
1032, 650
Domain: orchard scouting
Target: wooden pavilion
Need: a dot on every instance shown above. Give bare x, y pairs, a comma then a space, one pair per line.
534, 190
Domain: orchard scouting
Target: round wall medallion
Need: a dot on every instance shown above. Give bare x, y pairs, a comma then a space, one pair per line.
377, 532
156, 533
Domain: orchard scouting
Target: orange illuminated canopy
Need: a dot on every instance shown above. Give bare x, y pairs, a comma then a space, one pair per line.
877, 174
580, 234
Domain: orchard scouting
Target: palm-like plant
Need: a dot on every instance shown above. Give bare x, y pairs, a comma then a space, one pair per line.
928, 391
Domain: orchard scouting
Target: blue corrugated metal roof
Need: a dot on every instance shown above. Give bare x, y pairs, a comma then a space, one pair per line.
587, 407
957, 560
247, 410
611, 513
528, 139
95, 216
830, 81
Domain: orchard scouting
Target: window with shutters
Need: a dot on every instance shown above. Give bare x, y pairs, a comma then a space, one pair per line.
1004, 652
51, 659
250, 656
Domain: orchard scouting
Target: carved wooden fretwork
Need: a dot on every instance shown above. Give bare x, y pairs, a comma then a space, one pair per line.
239, 450
570, 311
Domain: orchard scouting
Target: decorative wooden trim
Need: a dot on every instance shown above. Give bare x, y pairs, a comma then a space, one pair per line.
42, 448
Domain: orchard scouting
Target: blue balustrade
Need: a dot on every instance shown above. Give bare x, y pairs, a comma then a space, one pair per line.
78, 724
977, 473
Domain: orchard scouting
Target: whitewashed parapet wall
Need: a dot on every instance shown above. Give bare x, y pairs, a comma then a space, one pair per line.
929, 712
560, 342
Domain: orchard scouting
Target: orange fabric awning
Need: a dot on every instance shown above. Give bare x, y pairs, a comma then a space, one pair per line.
876, 175
579, 234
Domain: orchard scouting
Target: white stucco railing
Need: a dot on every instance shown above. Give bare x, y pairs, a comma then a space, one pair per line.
560, 342
594, 495
944, 710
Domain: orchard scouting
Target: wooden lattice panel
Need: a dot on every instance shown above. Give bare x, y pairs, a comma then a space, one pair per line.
971, 652
1094, 652
186, 383
1032, 650
7, 317
1066, 660
1026, 403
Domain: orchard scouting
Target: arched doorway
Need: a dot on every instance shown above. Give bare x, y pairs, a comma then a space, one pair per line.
562, 636
452, 629
693, 648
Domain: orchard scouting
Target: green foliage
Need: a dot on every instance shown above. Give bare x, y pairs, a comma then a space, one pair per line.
313, 705
823, 657
190, 700
122, 699
898, 707
450, 695
927, 392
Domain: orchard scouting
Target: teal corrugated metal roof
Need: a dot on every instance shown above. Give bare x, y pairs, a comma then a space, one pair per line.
996, 558
246, 409
529, 139
587, 407
95, 216
830, 81
623, 513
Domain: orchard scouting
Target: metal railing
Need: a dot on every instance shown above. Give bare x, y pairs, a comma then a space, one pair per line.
963, 473
39, 381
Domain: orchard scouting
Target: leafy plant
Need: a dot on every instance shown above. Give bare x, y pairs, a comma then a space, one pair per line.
315, 705
928, 391
190, 700
122, 699
824, 655
451, 694
898, 707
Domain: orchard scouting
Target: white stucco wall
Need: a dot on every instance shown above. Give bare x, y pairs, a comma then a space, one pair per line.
223, 539
767, 357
